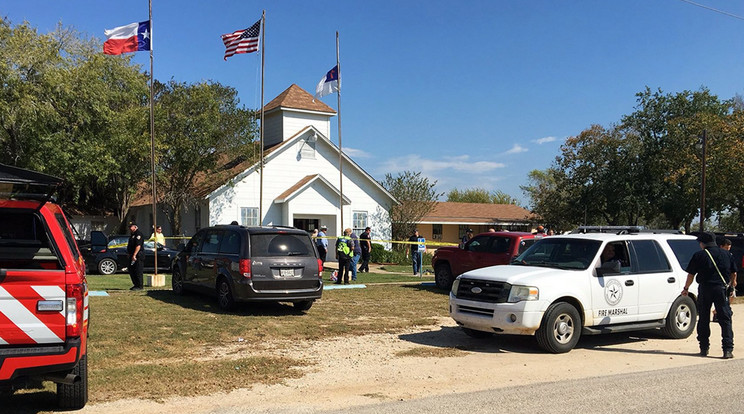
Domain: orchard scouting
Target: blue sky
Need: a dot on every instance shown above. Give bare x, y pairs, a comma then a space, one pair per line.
470, 93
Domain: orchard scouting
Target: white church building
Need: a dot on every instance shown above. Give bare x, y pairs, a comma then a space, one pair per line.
301, 186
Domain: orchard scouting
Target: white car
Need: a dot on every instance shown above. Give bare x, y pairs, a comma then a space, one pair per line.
561, 287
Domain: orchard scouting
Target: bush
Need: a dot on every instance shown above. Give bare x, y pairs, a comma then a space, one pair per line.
380, 255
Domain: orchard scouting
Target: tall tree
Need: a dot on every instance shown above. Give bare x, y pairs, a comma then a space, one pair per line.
197, 124
417, 198
480, 195
67, 110
550, 200
668, 126
470, 195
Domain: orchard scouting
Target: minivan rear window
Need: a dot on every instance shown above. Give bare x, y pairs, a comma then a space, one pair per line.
278, 244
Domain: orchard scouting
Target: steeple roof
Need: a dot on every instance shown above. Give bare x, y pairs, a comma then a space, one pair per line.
295, 97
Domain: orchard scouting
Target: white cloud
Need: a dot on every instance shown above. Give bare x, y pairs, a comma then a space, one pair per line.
545, 140
516, 149
356, 153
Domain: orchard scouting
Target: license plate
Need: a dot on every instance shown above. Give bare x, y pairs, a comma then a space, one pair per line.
286, 272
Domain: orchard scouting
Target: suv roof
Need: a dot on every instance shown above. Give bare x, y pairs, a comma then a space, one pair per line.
254, 229
622, 230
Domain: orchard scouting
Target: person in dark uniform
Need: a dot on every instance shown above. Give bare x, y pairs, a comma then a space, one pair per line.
136, 252
366, 245
712, 265
415, 257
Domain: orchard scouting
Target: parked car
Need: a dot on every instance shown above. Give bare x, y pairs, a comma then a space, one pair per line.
44, 301
107, 255
559, 289
240, 264
484, 249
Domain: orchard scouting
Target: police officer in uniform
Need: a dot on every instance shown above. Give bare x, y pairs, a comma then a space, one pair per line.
712, 265
136, 252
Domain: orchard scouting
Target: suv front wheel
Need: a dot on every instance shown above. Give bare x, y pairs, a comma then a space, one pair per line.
560, 328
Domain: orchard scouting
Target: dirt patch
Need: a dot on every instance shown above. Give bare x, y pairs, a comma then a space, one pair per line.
352, 371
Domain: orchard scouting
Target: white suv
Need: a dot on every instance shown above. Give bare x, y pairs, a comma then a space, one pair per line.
560, 288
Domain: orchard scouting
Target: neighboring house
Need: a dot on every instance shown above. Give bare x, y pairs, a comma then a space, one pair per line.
301, 180
449, 221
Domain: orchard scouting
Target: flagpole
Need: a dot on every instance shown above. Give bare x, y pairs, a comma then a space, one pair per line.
152, 143
340, 150
261, 133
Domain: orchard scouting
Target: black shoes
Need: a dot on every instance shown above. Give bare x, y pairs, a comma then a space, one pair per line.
704, 352
135, 288
728, 354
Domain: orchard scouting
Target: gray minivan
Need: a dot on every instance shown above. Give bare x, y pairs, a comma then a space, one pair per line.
248, 264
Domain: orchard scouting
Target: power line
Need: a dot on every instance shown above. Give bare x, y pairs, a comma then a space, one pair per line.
712, 9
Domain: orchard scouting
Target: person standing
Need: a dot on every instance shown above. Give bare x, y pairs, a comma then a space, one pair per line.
710, 265
357, 252
136, 256
343, 254
466, 238
322, 243
158, 236
415, 256
365, 240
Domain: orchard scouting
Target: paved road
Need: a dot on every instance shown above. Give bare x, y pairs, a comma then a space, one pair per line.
710, 387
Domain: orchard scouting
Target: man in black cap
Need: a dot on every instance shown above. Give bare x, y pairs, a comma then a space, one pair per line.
136, 252
712, 265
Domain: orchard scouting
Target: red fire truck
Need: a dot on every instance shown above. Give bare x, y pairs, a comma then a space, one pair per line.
43, 290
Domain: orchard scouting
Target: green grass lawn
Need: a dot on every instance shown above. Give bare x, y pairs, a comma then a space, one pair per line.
169, 344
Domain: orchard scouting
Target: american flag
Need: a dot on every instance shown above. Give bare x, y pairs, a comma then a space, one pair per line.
242, 41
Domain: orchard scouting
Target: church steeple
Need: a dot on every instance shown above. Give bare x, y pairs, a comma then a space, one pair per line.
290, 112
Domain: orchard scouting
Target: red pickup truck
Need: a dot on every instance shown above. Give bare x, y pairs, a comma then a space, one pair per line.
43, 290
484, 249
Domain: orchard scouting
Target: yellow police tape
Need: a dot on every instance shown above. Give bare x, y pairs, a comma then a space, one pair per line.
427, 243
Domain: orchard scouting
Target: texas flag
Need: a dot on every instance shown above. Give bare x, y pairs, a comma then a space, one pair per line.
133, 37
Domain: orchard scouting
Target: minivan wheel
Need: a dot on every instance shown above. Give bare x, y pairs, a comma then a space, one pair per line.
225, 298
303, 305
107, 267
177, 281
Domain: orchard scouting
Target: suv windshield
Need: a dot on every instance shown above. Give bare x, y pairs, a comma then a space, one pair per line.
560, 253
280, 244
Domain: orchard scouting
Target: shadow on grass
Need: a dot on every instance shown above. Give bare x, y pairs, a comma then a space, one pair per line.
455, 337
426, 287
32, 400
208, 303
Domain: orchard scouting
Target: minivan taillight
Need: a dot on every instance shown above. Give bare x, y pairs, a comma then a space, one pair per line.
245, 268
320, 269
75, 309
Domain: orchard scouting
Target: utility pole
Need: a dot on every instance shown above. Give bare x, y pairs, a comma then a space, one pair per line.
704, 139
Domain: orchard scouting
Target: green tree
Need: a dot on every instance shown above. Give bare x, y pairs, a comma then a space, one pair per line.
549, 200
417, 198
480, 195
68, 110
668, 126
471, 195
199, 128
